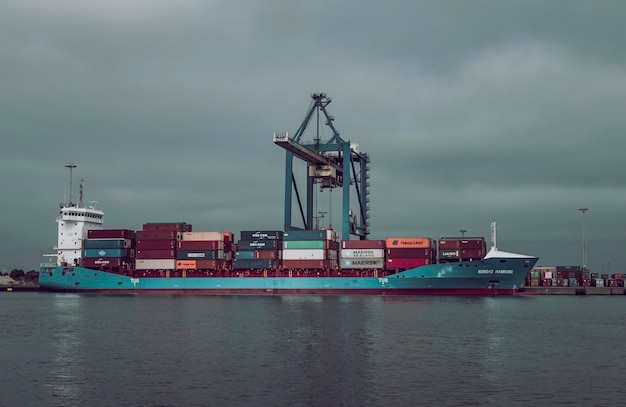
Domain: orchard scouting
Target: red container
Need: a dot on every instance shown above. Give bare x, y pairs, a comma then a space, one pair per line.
409, 252
449, 243
406, 263
362, 244
155, 244
473, 254
155, 254
200, 244
473, 243
156, 235
110, 234
266, 254
175, 226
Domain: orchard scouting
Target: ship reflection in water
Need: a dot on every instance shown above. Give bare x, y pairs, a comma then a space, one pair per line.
67, 373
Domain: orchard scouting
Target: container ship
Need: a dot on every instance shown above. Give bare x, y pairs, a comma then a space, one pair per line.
173, 258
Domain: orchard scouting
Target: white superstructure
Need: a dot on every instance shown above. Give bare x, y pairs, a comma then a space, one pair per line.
74, 221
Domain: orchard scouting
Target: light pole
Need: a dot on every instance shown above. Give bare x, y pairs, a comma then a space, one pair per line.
583, 210
462, 232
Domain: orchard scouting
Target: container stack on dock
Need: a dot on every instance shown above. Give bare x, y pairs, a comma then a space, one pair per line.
310, 250
258, 250
110, 250
571, 276
409, 252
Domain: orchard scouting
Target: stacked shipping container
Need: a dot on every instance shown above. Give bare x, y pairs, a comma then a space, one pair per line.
362, 254
109, 249
258, 250
156, 245
310, 249
172, 249
455, 249
204, 251
409, 252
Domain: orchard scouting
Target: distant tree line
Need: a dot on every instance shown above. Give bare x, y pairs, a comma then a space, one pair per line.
30, 277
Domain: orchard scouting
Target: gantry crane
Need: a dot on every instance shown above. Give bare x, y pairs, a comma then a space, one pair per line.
332, 164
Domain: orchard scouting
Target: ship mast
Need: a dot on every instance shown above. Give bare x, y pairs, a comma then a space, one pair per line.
493, 235
71, 166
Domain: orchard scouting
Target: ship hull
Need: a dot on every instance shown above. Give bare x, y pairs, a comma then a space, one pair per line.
483, 277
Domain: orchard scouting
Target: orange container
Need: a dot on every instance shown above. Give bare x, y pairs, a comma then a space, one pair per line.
185, 264
414, 242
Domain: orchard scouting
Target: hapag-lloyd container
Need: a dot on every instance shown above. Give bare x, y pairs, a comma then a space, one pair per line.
414, 242
200, 264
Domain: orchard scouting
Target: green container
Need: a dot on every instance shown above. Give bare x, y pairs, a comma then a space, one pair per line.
304, 244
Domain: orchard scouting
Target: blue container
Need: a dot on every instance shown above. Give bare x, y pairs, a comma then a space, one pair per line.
244, 255
246, 245
261, 235
242, 264
106, 253
199, 254
305, 235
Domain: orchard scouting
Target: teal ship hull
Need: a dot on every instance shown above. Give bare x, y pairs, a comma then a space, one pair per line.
496, 275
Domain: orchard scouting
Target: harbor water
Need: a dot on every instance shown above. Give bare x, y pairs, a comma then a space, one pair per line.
166, 350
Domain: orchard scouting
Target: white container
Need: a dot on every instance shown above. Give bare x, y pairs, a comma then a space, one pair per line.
362, 263
362, 253
304, 254
201, 236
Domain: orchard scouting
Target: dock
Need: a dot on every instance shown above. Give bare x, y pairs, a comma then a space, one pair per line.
573, 290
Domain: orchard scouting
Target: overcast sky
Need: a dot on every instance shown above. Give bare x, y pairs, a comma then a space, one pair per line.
470, 111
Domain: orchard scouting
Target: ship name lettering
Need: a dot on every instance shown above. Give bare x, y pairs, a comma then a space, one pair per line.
508, 271
485, 271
